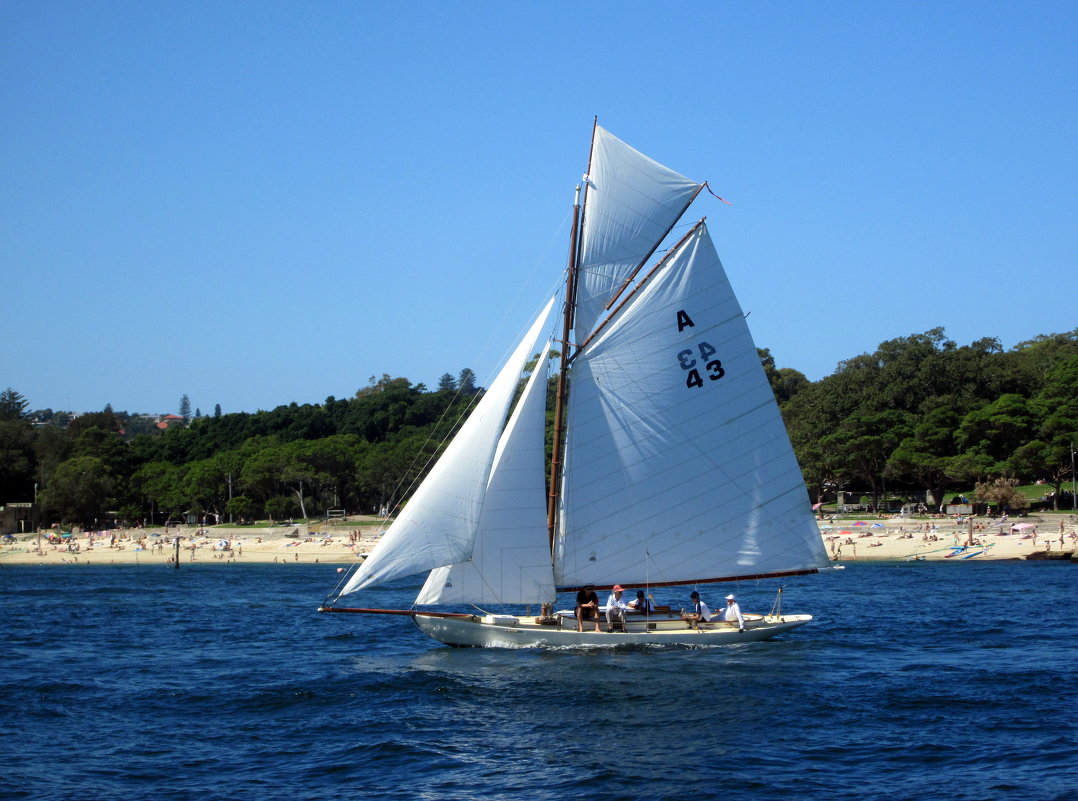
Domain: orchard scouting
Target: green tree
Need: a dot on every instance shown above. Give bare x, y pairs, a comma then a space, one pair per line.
998, 428
205, 484
389, 471
785, 382
280, 507
158, 487
1055, 406
466, 382
240, 507
864, 443
80, 490
106, 421
1002, 493
925, 457
185, 407
18, 460
129, 513
447, 383
12, 405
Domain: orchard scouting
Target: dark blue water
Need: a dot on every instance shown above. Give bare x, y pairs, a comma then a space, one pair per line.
918, 681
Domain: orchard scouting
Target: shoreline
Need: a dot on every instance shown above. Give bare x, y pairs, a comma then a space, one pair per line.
875, 539
301, 544
866, 539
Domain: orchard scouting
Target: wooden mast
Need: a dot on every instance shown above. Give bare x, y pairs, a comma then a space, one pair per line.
567, 325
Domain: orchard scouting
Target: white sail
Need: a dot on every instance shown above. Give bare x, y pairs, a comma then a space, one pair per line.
438, 525
511, 559
632, 202
678, 464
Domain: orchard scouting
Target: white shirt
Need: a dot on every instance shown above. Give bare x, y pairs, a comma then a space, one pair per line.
733, 612
701, 607
613, 602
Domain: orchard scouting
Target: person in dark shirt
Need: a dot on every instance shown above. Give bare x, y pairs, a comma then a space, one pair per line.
642, 604
700, 612
587, 607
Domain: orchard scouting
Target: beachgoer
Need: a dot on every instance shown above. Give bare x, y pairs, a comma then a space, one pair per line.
732, 612
700, 612
587, 607
641, 603
615, 608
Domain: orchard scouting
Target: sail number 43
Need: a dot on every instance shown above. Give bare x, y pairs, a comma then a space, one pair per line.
692, 365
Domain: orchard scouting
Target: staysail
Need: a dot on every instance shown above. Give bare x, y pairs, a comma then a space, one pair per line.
510, 562
678, 465
631, 203
438, 525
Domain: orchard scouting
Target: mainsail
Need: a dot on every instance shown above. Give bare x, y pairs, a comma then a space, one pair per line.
678, 466
632, 202
438, 525
510, 562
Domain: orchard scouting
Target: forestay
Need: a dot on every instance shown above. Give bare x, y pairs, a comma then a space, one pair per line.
438, 525
678, 466
511, 559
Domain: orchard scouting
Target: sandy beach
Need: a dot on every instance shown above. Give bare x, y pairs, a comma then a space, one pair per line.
303, 544
888, 539
865, 539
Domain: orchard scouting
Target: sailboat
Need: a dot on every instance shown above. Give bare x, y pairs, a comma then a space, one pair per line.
671, 464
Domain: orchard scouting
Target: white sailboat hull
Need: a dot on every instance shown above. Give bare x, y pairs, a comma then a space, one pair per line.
507, 632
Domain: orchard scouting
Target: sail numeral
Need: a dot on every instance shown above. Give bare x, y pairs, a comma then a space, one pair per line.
687, 361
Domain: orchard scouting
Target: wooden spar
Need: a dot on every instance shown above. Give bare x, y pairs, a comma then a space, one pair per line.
563, 372
567, 325
805, 572
643, 261
408, 612
643, 281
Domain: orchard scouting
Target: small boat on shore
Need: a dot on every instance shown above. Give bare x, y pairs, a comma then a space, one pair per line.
670, 463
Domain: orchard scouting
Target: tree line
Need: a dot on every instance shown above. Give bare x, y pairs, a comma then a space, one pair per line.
919, 414
360, 454
924, 414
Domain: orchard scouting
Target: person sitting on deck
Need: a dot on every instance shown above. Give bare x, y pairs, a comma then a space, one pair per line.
641, 604
587, 607
733, 612
615, 608
700, 613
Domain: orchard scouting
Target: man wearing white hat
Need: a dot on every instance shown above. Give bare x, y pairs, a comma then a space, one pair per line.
733, 612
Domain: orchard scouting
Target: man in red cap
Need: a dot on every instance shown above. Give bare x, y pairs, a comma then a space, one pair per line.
615, 608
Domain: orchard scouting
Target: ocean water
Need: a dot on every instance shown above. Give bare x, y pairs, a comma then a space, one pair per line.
917, 681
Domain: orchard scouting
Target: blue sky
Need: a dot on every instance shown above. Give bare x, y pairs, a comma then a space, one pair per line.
260, 203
